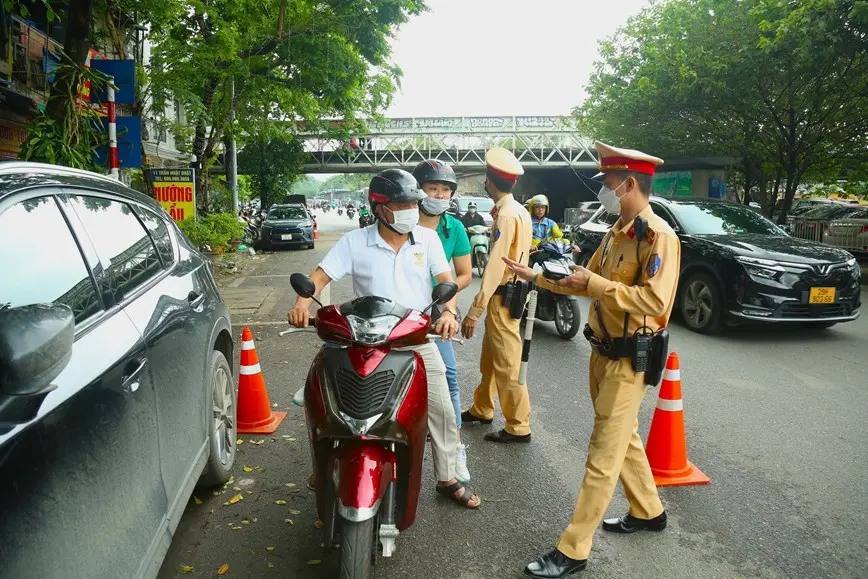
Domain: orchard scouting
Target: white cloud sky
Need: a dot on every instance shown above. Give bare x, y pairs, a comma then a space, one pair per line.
541, 52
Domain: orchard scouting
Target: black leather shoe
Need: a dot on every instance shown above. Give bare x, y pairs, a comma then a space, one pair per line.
553, 565
504, 436
467, 417
630, 524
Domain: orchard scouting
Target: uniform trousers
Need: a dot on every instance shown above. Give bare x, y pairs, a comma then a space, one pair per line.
615, 451
499, 364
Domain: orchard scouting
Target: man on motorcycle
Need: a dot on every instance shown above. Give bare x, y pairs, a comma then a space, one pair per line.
544, 229
437, 180
472, 218
396, 260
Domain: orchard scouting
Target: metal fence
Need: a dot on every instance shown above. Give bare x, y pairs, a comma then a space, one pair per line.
850, 234
810, 230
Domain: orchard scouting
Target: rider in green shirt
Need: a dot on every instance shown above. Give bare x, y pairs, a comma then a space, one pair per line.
438, 181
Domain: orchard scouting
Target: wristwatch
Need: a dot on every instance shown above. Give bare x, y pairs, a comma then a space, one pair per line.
449, 309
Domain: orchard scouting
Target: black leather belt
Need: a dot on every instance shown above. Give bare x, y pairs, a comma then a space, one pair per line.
613, 348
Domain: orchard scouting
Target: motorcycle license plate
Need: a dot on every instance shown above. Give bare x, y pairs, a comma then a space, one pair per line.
822, 295
287, 236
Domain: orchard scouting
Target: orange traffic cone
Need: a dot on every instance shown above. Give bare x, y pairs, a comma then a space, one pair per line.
667, 444
254, 408
315, 231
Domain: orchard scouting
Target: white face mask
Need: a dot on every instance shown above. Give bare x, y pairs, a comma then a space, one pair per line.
609, 199
405, 220
435, 206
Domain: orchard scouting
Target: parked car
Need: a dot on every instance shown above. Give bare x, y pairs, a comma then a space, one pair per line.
288, 225
738, 266
116, 395
849, 231
484, 205
812, 224
801, 204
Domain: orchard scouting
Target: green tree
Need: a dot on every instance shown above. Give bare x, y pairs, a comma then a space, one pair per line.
289, 61
782, 86
272, 165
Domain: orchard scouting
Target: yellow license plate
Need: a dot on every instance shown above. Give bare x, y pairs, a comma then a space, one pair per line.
822, 295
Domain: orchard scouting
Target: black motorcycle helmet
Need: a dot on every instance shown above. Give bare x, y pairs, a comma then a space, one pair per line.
393, 185
433, 171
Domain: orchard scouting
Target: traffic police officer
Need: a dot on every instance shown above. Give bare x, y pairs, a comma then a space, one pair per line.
501, 344
632, 278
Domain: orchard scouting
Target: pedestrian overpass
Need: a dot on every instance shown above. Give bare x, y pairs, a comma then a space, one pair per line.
537, 142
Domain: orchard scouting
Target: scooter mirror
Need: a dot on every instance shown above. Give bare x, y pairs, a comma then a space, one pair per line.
302, 285
443, 292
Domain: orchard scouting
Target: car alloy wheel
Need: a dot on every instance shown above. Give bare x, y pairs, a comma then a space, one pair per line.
224, 415
699, 303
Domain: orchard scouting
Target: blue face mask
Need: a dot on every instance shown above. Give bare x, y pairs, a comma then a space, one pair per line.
434, 206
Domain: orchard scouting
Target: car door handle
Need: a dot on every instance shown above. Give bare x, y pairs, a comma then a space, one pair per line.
132, 380
195, 299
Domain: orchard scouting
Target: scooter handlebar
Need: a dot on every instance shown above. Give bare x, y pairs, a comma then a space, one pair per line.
310, 328
437, 337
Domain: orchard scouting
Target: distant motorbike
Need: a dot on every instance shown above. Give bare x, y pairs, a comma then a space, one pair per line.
563, 310
351, 213
479, 247
340, 211
365, 219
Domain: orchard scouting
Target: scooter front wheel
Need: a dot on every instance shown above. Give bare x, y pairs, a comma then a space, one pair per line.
357, 548
481, 263
568, 317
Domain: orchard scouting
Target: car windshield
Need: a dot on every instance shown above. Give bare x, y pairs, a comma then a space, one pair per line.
287, 213
482, 205
723, 219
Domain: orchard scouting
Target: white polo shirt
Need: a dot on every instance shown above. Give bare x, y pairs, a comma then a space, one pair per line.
404, 277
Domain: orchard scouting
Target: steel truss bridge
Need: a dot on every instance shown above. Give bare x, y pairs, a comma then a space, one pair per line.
538, 142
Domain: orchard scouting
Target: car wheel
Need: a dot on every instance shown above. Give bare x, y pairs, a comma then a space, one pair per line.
311, 246
701, 304
223, 426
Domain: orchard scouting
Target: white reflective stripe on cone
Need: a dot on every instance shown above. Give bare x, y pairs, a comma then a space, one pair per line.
247, 345
249, 370
672, 375
670, 405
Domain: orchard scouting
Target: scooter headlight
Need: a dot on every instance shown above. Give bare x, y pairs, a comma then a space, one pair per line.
373, 331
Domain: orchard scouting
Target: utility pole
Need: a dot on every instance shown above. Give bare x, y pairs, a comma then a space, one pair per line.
232, 157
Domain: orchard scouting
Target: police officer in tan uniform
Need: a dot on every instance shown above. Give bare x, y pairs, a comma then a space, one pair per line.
632, 278
501, 345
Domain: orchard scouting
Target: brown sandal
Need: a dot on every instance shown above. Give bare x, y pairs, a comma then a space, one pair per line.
465, 497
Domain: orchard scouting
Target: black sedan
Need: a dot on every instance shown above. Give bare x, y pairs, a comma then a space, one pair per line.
737, 266
116, 389
287, 225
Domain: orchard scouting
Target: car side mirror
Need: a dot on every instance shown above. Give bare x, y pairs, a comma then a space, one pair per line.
35, 346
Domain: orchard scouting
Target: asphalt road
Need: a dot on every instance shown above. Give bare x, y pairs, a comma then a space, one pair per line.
775, 417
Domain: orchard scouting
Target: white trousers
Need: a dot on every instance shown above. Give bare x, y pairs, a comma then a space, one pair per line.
441, 415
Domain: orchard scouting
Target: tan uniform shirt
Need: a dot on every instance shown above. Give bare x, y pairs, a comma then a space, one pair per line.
614, 266
511, 237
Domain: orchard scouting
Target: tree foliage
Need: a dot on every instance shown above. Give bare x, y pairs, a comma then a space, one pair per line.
289, 60
781, 85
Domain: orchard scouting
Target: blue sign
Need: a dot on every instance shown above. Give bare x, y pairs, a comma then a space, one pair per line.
129, 142
124, 74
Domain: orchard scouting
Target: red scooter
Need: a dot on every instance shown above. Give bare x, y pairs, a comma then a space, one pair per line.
366, 409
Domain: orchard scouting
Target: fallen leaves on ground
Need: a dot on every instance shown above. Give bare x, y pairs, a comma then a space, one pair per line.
295, 511
280, 502
224, 568
290, 485
269, 548
288, 521
247, 468
245, 522
197, 500
239, 441
319, 524
235, 528
234, 499
186, 569
314, 562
